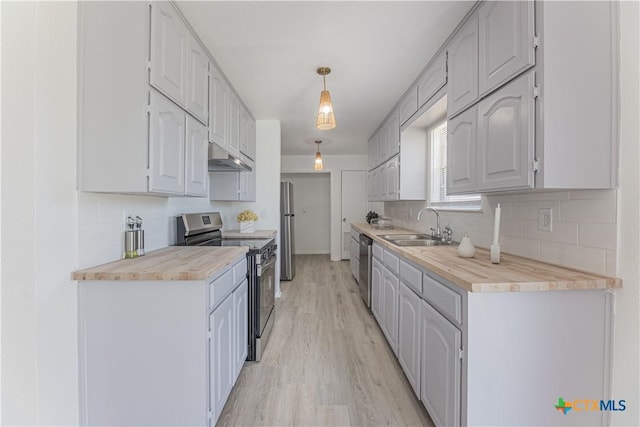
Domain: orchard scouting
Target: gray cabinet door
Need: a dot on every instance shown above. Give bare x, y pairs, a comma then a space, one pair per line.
219, 108
409, 336
432, 79
506, 136
506, 44
462, 87
197, 80
377, 301
196, 153
461, 153
440, 371
408, 105
391, 284
221, 353
392, 176
241, 326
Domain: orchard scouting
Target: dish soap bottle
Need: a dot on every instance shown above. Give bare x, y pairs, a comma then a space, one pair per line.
466, 248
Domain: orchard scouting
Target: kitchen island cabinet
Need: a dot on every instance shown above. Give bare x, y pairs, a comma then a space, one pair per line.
162, 337
484, 327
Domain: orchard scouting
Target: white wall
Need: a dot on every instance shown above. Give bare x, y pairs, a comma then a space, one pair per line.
39, 205
583, 232
334, 165
312, 207
626, 357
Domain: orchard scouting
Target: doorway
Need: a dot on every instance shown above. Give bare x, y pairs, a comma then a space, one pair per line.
312, 208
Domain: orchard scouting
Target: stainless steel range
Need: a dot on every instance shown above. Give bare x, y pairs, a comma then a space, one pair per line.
204, 229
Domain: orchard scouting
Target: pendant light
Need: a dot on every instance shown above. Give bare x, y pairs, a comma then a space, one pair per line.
318, 166
326, 119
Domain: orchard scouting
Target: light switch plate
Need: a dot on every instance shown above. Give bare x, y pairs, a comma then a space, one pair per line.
544, 219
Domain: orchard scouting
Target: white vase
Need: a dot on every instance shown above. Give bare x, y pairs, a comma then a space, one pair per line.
247, 226
466, 248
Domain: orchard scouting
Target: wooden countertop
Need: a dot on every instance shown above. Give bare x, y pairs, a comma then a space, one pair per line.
478, 274
170, 263
258, 234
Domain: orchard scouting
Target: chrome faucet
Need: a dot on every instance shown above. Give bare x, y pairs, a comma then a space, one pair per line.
435, 233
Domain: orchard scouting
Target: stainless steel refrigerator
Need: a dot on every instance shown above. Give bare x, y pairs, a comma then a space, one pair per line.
287, 249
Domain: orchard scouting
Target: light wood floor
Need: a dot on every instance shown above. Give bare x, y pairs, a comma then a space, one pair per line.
327, 363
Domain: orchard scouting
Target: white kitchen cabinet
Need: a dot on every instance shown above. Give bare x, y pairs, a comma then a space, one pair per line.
377, 291
506, 43
392, 135
252, 138
392, 179
167, 146
244, 131
196, 154
506, 134
432, 79
390, 285
373, 185
409, 322
197, 80
221, 352
219, 108
461, 153
355, 257
408, 105
440, 371
234, 125
168, 63
241, 326
462, 86
234, 186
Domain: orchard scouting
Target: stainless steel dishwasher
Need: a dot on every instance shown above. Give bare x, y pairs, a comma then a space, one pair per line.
365, 268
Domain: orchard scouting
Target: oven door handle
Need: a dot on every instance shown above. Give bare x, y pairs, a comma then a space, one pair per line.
263, 266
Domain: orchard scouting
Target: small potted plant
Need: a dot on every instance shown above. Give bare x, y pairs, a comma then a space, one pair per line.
247, 219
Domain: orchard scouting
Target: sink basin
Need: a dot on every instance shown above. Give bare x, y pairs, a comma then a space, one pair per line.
412, 237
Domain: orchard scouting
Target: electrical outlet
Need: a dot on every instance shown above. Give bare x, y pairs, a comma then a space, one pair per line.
263, 214
544, 219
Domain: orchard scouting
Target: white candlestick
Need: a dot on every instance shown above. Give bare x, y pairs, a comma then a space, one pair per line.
496, 225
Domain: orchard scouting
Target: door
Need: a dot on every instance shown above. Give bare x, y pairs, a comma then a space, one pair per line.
409, 335
197, 80
391, 284
241, 326
196, 152
221, 355
408, 105
166, 146
506, 136
234, 125
354, 205
462, 87
440, 371
393, 179
219, 105
377, 300
393, 135
169, 34
505, 42
461, 153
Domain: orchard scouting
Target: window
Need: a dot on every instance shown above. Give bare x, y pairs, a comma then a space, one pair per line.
438, 188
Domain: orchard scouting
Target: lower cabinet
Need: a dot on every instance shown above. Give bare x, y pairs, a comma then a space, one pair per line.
441, 364
354, 260
390, 286
377, 298
241, 325
221, 351
409, 332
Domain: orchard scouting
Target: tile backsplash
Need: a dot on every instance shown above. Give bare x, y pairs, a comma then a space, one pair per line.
583, 234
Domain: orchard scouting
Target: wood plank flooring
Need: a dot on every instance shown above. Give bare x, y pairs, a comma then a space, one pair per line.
327, 362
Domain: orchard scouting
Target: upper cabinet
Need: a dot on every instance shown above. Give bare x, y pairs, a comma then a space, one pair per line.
169, 47
461, 152
432, 79
506, 42
147, 106
408, 105
462, 87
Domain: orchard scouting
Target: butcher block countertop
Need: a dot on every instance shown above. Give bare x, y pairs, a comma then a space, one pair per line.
170, 263
258, 234
478, 274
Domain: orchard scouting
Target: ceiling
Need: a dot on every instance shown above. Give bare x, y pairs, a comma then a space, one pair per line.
270, 50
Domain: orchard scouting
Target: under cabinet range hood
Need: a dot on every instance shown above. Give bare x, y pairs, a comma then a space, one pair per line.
220, 160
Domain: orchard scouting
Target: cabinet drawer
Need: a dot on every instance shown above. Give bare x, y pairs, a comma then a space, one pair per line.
443, 298
411, 276
391, 261
377, 251
220, 288
240, 271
